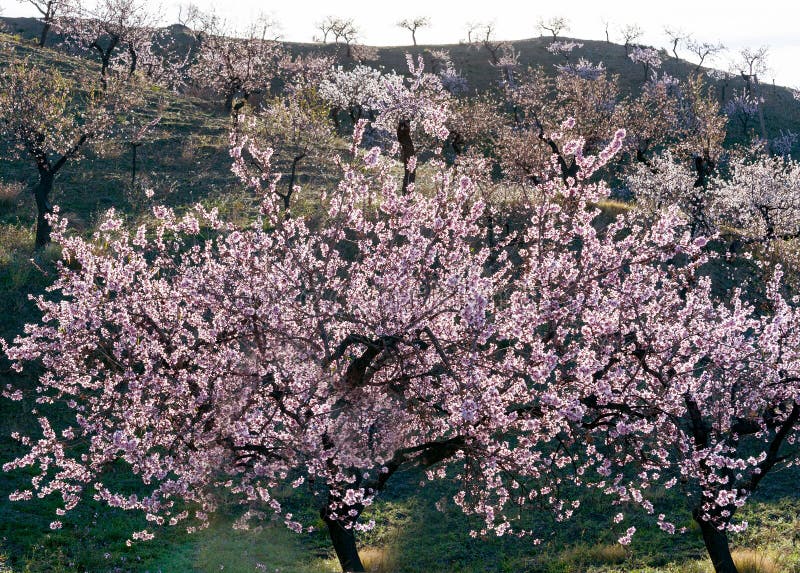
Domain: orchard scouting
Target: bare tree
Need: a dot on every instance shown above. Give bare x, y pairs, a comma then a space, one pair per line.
189, 15
341, 29
472, 29
676, 37
345, 30
119, 32
484, 35
606, 26
554, 25
703, 50
50, 10
750, 63
630, 34
412, 25
325, 27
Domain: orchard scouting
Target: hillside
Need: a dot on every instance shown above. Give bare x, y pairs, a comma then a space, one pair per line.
781, 110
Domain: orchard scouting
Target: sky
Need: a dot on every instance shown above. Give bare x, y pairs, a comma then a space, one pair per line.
735, 23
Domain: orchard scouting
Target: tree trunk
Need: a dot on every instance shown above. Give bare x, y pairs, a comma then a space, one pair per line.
134, 60
41, 194
43, 35
334, 115
297, 159
344, 543
716, 542
106, 61
406, 152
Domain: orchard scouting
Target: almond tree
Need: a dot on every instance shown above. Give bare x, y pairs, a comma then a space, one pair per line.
413, 109
414, 24
703, 51
358, 91
554, 25
532, 137
119, 32
677, 37
254, 360
639, 377
134, 132
259, 359
236, 64
443, 66
49, 121
342, 29
668, 386
653, 117
295, 126
760, 195
51, 11
472, 29
630, 35
563, 48
483, 34
682, 173
648, 57
743, 109
417, 109
749, 64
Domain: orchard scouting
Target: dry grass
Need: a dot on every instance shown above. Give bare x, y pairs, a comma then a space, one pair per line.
10, 194
599, 554
379, 559
752, 561
746, 560
615, 205
15, 240
374, 559
606, 553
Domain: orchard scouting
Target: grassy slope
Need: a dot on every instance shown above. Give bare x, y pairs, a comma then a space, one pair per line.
188, 155
781, 111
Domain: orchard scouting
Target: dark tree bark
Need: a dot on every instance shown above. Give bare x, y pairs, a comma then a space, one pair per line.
229, 102
716, 542
134, 153
295, 162
287, 197
334, 115
41, 194
406, 152
344, 543
457, 141
704, 168
43, 35
134, 60
47, 174
105, 57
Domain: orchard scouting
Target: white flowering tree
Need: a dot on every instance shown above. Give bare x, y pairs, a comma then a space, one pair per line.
760, 195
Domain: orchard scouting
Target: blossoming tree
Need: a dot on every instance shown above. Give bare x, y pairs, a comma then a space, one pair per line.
635, 374
48, 121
